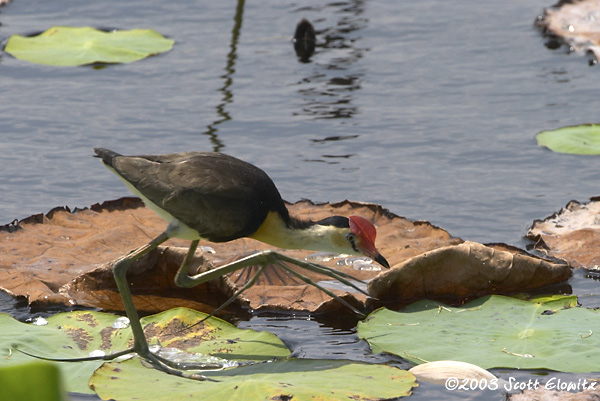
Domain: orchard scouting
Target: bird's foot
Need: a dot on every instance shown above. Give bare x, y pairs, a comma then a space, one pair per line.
184, 367
187, 369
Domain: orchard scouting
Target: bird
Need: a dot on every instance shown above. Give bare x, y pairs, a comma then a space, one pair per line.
220, 198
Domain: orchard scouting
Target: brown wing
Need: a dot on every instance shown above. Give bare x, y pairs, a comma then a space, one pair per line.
221, 197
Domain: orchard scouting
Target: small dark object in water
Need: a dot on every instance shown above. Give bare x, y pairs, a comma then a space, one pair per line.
304, 40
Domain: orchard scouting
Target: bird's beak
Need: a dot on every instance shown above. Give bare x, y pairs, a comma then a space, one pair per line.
381, 260
374, 254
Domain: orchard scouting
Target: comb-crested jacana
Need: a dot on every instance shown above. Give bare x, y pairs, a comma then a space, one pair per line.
213, 196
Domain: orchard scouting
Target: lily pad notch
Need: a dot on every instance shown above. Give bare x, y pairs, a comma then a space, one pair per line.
73, 46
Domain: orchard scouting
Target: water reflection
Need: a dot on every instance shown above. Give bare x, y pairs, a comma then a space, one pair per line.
335, 138
327, 92
304, 41
211, 129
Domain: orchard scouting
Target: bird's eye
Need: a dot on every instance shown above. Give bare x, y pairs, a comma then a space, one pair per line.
351, 238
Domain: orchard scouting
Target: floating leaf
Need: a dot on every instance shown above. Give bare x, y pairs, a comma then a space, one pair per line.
81, 333
177, 328
572, 235
575, 23
466, 270
70, 46
294, 379
45, 341
493, 331
580, 139
54, 258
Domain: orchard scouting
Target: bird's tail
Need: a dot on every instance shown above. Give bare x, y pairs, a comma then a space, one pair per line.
106, 155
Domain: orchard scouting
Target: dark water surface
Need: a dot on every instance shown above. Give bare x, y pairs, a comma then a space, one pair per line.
428, 108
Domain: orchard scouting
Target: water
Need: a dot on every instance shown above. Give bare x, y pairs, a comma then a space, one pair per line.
429, 108
435, 106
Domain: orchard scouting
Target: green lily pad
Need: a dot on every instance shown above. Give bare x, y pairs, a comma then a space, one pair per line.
293, 379
45, 341
70, 46
79, 334
490, 332
581, 139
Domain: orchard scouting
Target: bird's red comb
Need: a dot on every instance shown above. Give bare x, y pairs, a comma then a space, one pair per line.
363, 228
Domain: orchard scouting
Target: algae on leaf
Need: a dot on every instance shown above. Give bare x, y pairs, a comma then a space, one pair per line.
71, 46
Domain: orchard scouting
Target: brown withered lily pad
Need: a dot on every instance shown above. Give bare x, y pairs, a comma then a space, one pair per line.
65, 258
571, 235
575, 23
465, 271
152, 281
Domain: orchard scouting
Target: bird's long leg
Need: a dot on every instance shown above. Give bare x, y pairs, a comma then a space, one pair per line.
108, 357
321, 288
340, 276
182, 279
140, 345
251, 260
248, 284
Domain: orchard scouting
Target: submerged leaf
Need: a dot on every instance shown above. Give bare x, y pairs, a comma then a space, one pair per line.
493, 331
70, 46
294, 379
580, 139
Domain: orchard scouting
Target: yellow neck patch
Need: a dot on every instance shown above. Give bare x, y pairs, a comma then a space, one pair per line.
274, 231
